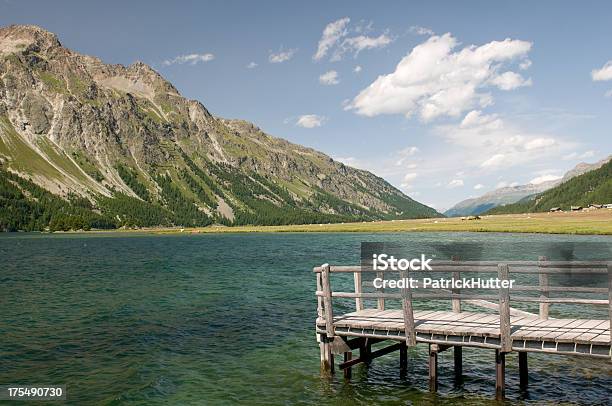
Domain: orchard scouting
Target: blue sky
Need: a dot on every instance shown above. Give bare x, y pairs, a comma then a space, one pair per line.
450, 100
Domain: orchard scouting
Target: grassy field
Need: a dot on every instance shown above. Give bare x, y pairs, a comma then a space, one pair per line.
591, 222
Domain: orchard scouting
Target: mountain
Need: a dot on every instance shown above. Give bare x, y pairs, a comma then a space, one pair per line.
86, 144
592, 187
495, 198
513, 194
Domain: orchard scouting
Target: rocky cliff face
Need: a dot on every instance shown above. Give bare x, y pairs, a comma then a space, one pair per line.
75, 125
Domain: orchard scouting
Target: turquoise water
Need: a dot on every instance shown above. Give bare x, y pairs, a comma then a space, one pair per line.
214, 319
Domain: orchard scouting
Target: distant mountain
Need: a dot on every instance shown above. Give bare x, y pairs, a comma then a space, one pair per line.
85, 144
592, 187
508, 195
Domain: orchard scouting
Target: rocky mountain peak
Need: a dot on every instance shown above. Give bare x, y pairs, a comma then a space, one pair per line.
33, 37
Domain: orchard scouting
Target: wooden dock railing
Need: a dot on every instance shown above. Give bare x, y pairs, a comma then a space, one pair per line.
501, 301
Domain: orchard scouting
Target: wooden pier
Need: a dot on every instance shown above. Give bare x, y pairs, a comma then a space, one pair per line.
504, 330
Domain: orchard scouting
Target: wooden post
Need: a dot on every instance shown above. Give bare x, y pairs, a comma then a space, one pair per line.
327, 358
433, 367
358, 289
364, 350
500, 375
327, 301
319, 298
408, 311
504, 311
456, 275
458, 358
381, 300
347, 371
544, 294
523, 370
403, 359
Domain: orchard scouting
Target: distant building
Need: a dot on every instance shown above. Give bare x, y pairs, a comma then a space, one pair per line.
554, 209
608, 206
596, 206
576, 208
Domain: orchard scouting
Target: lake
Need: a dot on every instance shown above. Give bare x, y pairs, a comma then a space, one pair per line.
229, 318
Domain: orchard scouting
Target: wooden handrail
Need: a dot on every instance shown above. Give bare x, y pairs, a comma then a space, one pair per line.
504, 311
542, 267
327, 301
522, 288
446, 296
408, 313
480, 269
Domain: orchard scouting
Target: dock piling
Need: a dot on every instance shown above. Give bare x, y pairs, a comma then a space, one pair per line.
348, 371
433, 367
500, 375
523, 370
458, 362
403, 360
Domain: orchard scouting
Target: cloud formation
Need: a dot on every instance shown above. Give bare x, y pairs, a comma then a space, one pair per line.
544, 178
329, 78
408, 179
282, 55
436, 80
339, 39
455, 183
602, 74
191, 59
251, 65
421, 30
502, 144
331, 35
310, 121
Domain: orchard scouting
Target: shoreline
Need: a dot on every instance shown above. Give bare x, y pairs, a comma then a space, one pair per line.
597, 222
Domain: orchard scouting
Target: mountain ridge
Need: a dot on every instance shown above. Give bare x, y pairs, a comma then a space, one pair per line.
513, 194
591, 187
83, 129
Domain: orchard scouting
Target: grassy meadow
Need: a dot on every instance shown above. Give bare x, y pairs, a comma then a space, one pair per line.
587, 222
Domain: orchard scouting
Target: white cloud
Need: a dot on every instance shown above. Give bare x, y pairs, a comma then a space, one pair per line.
434, 80
282, 55
575, 155
329, 78
251, 65
455, 183
360, 43
495, 161
191, 59
405, 155
525, 64
504, 184
510, 80
357, 69
538, 143
421, 30
310, 121
332, 33
604, 73
478, 186
408, 179
336, 38
498, 144
544, 178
